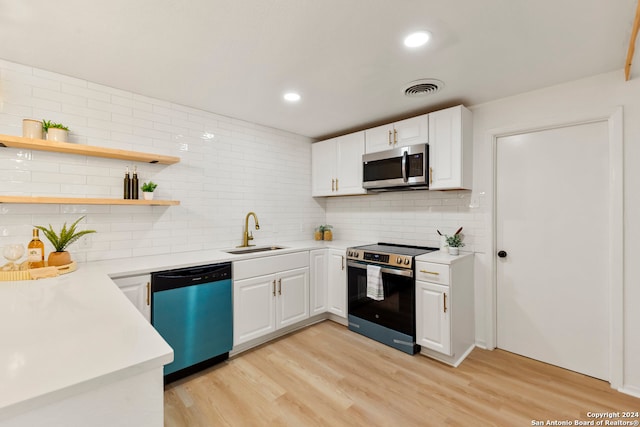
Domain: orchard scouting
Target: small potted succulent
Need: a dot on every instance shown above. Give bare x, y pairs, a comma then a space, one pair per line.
148, 189
455, 242
61, 241
55, 131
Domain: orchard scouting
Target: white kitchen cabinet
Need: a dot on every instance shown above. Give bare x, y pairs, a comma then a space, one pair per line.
337, 282
434, 317
138, 290
337, 166
444, 307
318, 271
269, 293
399, 134
450, 149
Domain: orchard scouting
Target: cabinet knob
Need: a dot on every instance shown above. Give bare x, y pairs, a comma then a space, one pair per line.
502, 254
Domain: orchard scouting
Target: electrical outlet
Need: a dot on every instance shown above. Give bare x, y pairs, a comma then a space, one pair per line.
85, 241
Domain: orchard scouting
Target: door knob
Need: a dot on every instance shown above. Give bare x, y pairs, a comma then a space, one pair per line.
502, 254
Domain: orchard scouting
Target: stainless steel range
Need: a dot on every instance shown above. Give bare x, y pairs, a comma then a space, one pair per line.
388, 315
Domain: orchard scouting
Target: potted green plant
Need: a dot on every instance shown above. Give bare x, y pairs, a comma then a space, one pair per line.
55, 131
147, 190
61, 241
455, 242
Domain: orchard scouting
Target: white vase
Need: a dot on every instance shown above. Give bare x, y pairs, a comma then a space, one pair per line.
55, 134
32, 128
454, 251
147, 195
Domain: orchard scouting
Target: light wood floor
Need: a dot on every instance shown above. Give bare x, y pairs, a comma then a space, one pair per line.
326, 375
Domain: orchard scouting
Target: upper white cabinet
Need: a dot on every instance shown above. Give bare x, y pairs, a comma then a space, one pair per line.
399, 134
450, 149
337, 166
138, 290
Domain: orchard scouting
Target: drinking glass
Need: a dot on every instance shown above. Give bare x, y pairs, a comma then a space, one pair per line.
13, 252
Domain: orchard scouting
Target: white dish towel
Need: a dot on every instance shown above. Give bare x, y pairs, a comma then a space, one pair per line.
375, 289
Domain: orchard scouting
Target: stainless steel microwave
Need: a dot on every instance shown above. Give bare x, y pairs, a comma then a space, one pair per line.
404, 168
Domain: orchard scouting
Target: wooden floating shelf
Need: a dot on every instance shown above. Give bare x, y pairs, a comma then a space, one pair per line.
83, 150
84, 201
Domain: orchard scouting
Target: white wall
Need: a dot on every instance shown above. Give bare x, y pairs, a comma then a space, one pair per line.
228, 167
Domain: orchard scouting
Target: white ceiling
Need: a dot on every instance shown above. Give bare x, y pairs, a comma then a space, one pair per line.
345, 57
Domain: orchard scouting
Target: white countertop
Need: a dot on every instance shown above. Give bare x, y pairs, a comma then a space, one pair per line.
66, 335
443, 257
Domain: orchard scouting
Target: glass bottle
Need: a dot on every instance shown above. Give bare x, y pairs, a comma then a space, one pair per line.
35, 251
127, 185
134, 183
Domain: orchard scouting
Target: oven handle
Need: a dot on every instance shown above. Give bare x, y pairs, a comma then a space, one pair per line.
394, 271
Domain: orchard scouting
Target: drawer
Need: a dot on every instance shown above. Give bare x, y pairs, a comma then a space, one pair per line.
269, 265
431, 272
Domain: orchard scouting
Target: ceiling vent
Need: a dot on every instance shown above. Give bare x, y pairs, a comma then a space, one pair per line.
423, 87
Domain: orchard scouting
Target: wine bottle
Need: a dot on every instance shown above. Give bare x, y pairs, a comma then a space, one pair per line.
134, 183
127, 185
35, 251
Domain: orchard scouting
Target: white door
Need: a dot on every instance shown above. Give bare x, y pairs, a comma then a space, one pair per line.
253, 308
337, 283
138, 290
379, 138
412, 131
323, 167
552, 201
350, 149
293, 297
433, 320
318, 281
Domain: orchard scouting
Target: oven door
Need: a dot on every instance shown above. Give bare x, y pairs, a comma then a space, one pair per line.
396, 311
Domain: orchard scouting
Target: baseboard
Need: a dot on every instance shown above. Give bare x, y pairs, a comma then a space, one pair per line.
630, 390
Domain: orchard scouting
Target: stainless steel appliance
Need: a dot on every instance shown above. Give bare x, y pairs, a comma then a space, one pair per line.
392, 320
191, 308
404, 168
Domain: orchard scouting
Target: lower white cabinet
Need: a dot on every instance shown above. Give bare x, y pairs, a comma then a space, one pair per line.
337, 282
444, 307
318, 281
138, 290
267, 302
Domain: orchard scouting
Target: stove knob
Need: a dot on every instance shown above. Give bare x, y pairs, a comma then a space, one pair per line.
406, 261
349, 253
399, 260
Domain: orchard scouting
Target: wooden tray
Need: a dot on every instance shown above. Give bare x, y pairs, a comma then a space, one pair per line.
37, 273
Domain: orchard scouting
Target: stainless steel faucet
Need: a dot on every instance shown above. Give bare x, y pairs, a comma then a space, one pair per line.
247, 234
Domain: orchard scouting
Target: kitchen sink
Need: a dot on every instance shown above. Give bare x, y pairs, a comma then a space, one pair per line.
252, 250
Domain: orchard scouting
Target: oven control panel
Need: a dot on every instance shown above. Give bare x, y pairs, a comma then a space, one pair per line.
403, 261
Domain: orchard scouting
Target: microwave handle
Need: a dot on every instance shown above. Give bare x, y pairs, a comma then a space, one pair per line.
404, 166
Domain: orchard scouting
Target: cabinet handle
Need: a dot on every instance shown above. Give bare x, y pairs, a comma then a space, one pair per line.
445, 302
430, 272
333, 185
342, 262
430, 175
274, 288
389, 137
279, 286
336, 184
148, 293
395, 137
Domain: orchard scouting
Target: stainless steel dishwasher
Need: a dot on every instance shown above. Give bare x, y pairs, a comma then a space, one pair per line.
191, 308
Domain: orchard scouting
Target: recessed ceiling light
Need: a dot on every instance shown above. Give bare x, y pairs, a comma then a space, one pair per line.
292, 97
417, 39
